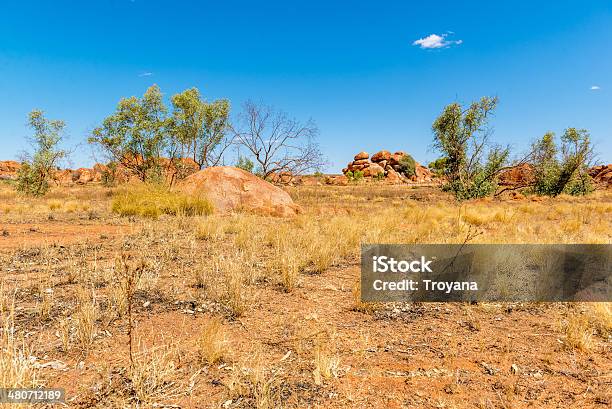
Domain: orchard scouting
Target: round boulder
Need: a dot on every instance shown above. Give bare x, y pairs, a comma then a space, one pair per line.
362, 155
380, 156
231, 189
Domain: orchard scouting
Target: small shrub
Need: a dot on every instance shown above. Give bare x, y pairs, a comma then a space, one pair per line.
154, 200
354, 175
407, 165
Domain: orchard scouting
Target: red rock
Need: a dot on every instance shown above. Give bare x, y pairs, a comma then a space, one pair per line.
360, 162
373, 170
521, 175
602, 175
9, 169
382, 155
231, 189
423, 174
393, 177
362, 155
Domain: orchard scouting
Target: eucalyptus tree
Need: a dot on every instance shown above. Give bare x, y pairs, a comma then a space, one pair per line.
462, 135
37, 169
199, 129
136, 135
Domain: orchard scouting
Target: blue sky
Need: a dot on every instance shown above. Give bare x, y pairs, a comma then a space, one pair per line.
352, 66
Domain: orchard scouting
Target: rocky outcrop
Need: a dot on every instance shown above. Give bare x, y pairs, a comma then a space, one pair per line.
9, 169
231, 189
386, 166
602, 175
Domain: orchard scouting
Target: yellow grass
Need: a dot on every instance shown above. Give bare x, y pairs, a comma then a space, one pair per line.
154, 200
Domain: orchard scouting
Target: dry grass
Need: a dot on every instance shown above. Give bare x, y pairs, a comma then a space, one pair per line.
212, 342
153, 374
252, 381
152, 201
17, 368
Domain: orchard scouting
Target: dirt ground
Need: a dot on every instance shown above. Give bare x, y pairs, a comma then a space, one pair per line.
301, 340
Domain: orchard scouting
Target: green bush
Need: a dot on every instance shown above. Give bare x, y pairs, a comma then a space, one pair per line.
354, 175
154, 200
407, 165
31, 181
565, 170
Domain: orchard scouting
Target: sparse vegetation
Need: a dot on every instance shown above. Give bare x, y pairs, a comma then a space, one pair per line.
286, 293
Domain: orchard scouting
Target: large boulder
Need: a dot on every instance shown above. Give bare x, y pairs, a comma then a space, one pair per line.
373, 170
422, 173
393, 177
232, 189
380, 156
362, 155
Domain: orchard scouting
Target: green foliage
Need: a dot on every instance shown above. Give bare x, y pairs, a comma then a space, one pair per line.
34, 175
562, 171
407, 165
318, 174
462, 136
153, 200
439, 166
379, 177
199, 128
354, 175
245, 163
136, 134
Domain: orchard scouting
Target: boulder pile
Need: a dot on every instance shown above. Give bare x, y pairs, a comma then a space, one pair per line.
602, 175
8, 169
386, 165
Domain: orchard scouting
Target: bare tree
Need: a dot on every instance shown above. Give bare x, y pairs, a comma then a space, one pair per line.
277, 142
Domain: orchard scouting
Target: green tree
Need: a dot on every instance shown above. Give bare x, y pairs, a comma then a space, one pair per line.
245, 163
37, 170
438, 166
199, 129
462, 136
562, 171
136, 135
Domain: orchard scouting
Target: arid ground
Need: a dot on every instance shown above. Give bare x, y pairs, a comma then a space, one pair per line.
246, 311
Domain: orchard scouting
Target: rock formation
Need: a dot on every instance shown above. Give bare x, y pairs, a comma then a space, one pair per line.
602, 175
386, 165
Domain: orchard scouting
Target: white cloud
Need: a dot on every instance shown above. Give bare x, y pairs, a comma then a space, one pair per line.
595, 88
436, 41
145, 74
